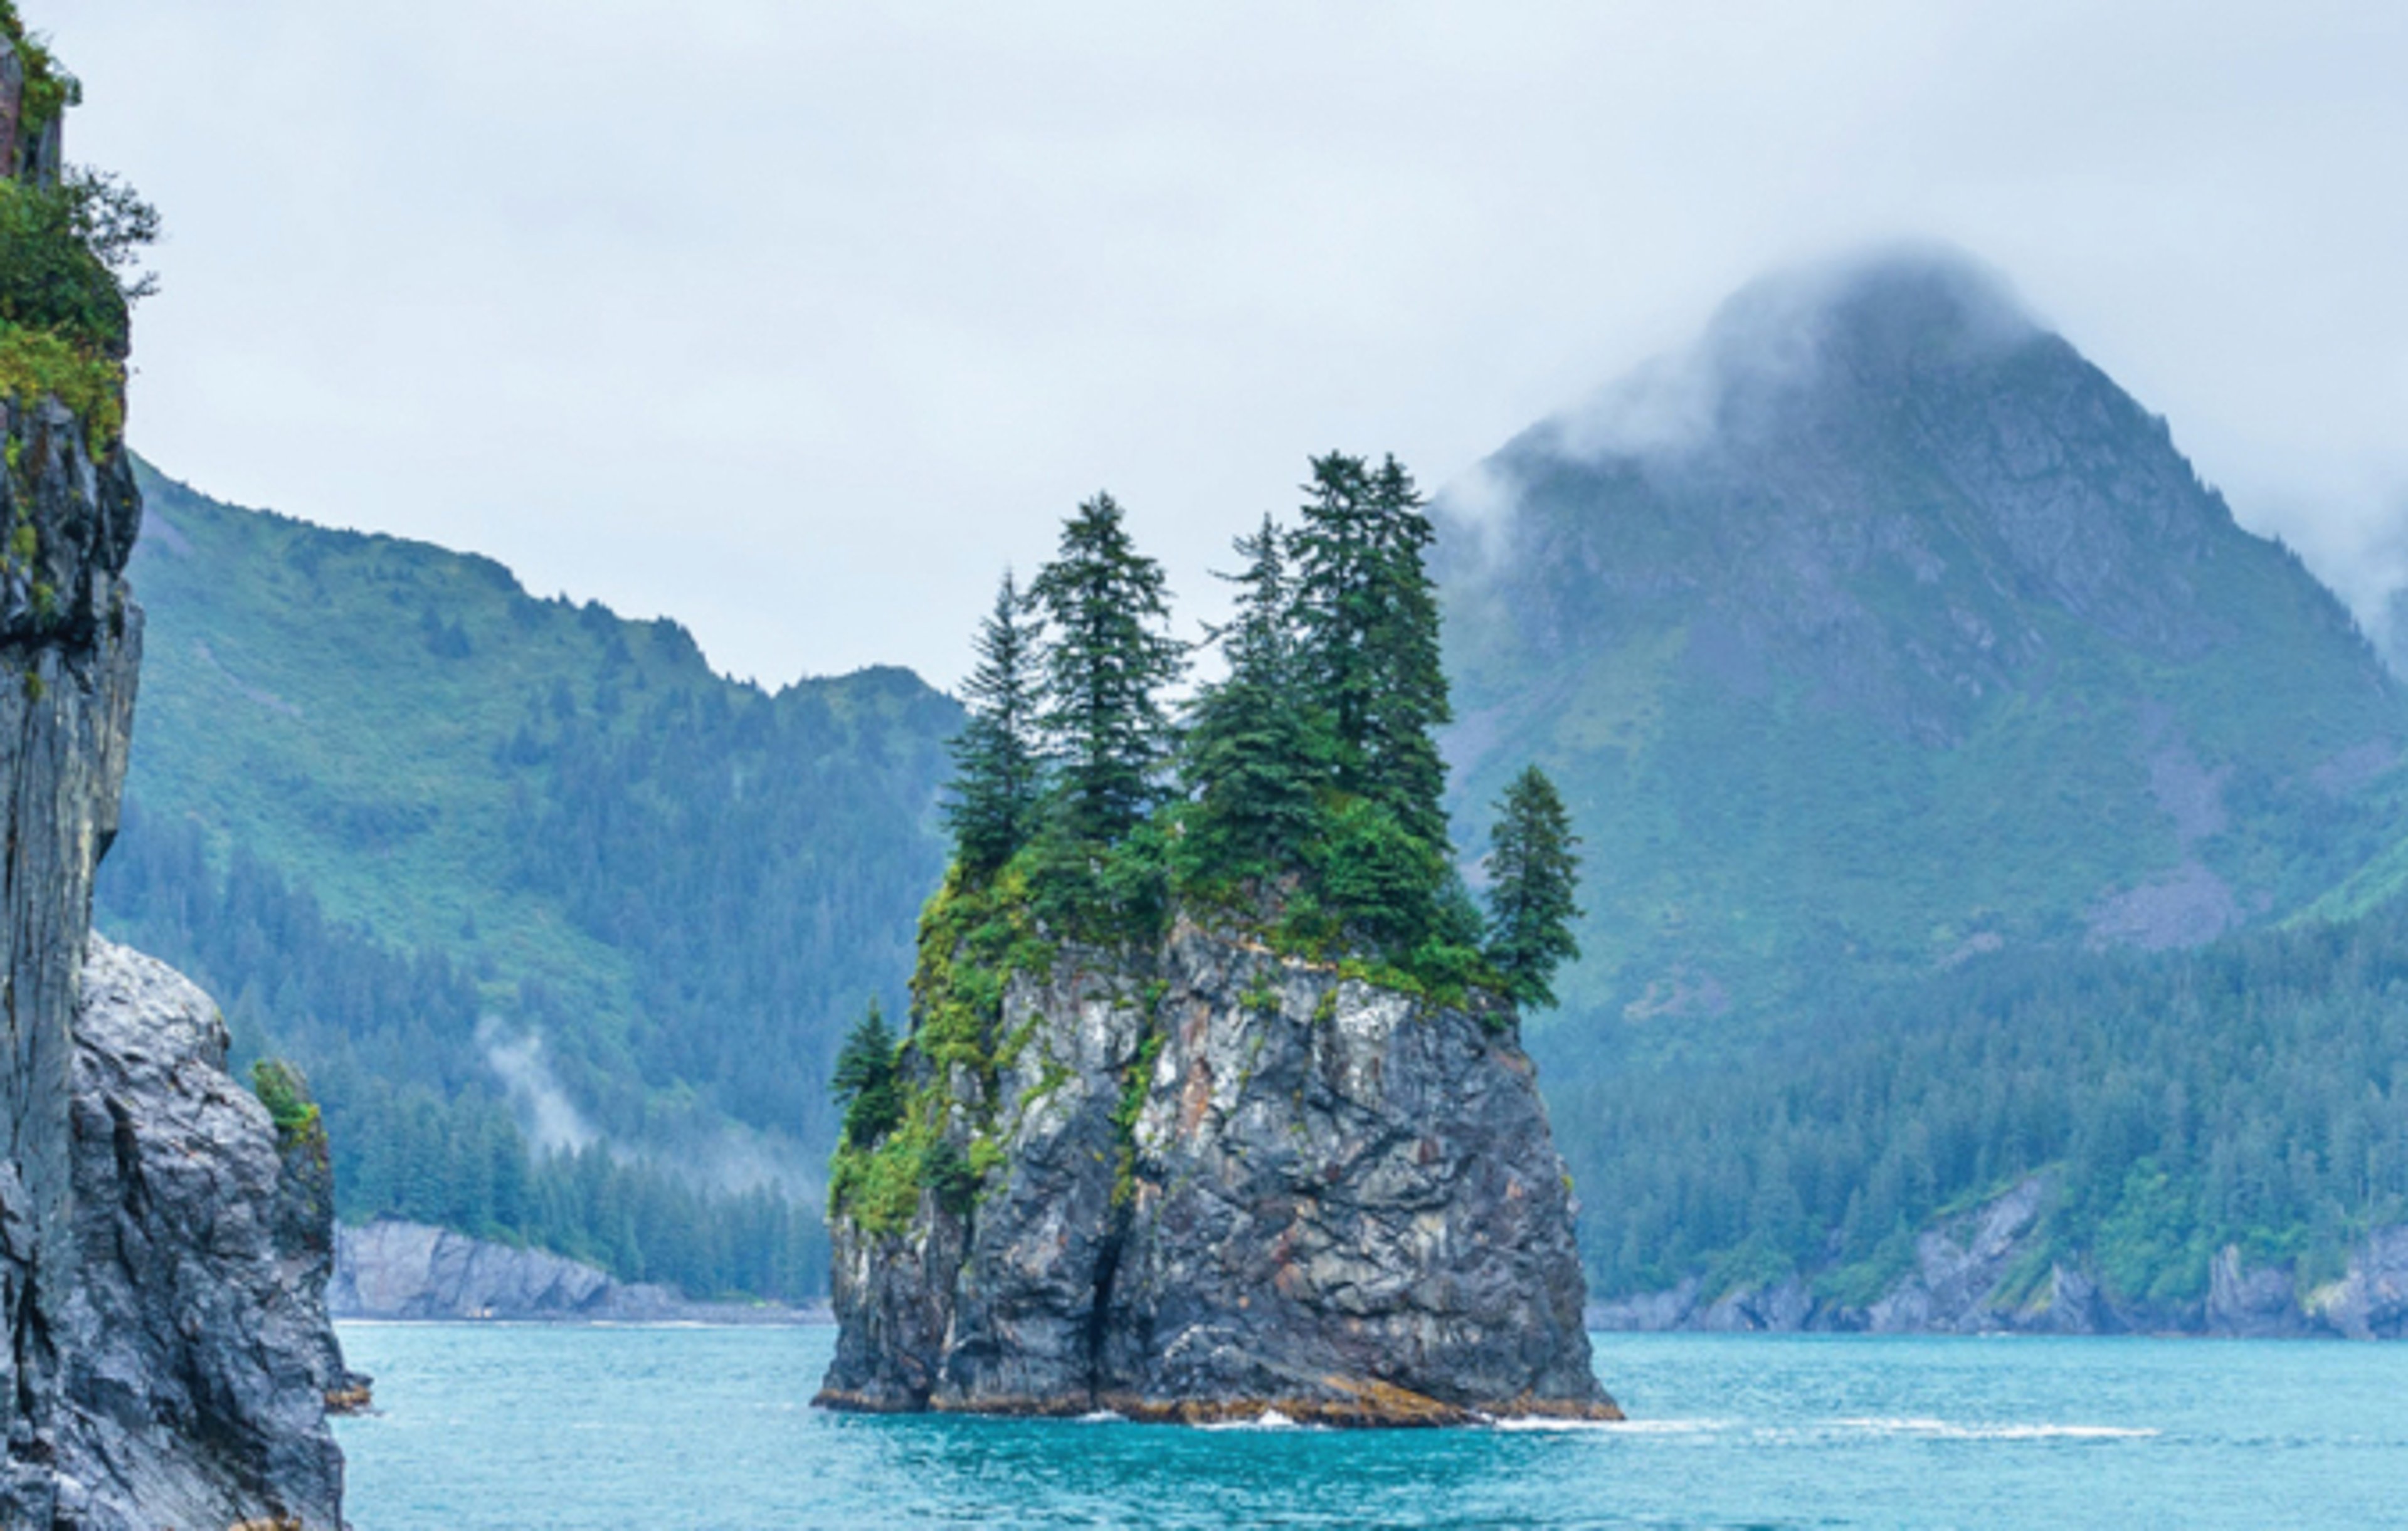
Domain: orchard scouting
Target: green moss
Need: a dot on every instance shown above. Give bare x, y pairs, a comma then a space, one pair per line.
879, 1188
974, 936
1134, 1086
37, 362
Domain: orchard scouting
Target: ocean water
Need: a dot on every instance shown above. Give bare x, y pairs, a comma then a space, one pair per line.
528, 1428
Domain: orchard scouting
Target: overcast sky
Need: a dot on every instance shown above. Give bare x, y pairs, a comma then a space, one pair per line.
798, 321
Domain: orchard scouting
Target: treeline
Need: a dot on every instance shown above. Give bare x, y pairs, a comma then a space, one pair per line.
2253, 1093
1300, 791
419, 1124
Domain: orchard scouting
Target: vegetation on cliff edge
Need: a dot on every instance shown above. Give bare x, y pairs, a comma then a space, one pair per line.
1297, 800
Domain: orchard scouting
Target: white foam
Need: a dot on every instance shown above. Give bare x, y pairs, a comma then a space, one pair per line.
1269, 1419
1616, 1428
1948, 1430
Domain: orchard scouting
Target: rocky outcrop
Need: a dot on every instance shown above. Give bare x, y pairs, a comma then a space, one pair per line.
70, 650
1224, 1182
2370, 1301
1991, 1271
408, 1270
165, 1357
195, 1349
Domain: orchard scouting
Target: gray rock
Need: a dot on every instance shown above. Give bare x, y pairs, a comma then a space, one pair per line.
1261, 1186
408, 1270
2256, 1304
2370, 1302
197, 1350
70, 654
1649, 1312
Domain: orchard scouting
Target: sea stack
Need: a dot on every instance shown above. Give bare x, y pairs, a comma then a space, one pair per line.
1207, 1182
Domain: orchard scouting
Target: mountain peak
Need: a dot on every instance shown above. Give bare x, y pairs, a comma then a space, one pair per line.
1880, 585
1877, 320
1891, 310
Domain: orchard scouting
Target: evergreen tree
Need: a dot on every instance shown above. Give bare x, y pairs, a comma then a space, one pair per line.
1248, 765
1534, 872
1369, 616
998, 772
866, 1082
1105, 672
1337, 606
1409, 702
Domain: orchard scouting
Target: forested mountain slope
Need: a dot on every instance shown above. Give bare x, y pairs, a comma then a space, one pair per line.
1946, 753
490, 865
1879, 631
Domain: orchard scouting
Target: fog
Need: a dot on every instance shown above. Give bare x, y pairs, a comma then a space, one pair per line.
722, 1156
798, 321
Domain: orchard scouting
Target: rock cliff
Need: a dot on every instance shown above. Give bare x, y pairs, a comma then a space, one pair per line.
1215, 1182
408, 1270
194, 1346
165, 1357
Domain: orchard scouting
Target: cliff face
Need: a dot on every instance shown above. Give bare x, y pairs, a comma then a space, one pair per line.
1220, 1182
408, 1270
167, 1355
197, 1354
70, 650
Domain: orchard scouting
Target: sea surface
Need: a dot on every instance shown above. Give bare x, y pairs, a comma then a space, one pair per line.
493, 1427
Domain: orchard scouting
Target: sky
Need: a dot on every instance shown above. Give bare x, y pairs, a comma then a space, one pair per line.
799, 322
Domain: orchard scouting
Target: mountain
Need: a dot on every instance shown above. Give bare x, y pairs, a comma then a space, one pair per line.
506, 875
1976, 817
1882, 630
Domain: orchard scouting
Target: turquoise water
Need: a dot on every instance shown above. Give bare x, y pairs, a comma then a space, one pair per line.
505, 1428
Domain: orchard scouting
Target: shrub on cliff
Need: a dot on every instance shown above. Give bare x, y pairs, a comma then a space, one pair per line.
70, 252
281, 1089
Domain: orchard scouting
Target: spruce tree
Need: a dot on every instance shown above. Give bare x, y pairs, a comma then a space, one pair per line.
1409, 704
867, 1081
1533, 876
998, 770
1248, 766
1336, 606
1370, 636
1104, 674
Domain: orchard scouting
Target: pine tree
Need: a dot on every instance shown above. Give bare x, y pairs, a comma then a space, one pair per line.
866, 1082
1409, 705
1248, 765
1370, 623
1336, 606
1105, 672
1533, 876
997, 771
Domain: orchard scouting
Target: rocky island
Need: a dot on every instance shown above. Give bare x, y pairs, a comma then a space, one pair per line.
164, 1239
1212, 1105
